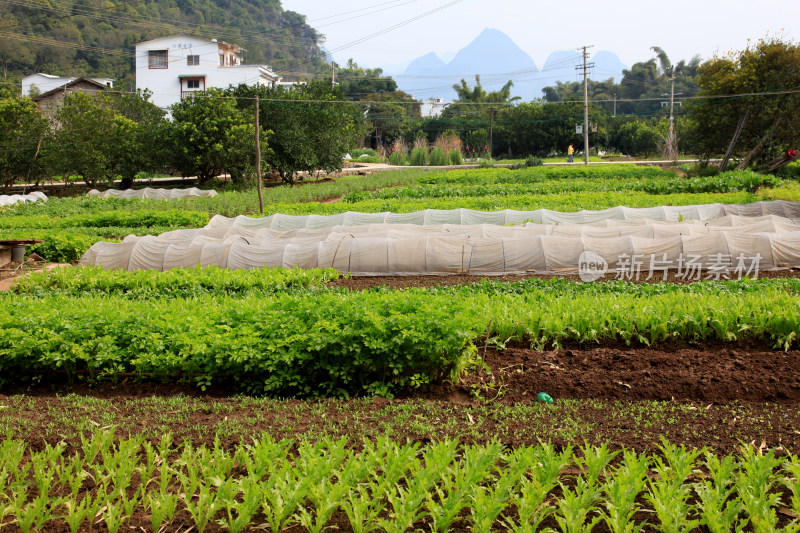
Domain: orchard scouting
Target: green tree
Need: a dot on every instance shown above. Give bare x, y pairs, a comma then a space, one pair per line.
312, 129
140, 133
766, 108
391, 116
477, 109
107, 135
637, 138
211, 135
641, 89
82, 142
22, 129
357, 82
538, 128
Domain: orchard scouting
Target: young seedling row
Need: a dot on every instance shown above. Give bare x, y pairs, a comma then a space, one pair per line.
389, 486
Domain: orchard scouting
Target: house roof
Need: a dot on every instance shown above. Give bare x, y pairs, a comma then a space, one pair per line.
68, 85
51, 76
172, 36
223, 44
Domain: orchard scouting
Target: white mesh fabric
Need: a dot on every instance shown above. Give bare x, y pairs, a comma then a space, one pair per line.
157, 194
413, 248
11, 199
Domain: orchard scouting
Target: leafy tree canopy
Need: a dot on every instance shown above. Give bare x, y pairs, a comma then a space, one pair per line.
765, 75
357, 83
312, 128
641, 89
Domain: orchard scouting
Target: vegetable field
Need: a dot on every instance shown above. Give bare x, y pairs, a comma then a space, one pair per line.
385, 486
207, 399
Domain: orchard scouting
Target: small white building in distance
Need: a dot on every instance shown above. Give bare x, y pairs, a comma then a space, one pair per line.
433, 107
175, 66
37, 84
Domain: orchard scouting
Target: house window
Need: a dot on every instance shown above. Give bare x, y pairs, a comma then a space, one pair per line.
157, 58
192, 84
193, 61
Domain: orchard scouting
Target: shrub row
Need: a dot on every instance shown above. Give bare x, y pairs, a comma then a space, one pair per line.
310, 345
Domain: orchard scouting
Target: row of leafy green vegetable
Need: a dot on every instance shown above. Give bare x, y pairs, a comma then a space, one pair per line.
563, 202
393, 487
320, 343
234, 203
213, 280
229, 203
512, 185
558, 201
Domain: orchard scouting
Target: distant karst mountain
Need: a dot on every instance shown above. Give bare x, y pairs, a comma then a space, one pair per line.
498, 59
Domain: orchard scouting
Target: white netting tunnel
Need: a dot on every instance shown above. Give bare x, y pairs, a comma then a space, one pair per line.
156, 194
12, 199
710, 236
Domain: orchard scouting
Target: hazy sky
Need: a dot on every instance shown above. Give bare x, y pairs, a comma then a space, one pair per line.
629, 28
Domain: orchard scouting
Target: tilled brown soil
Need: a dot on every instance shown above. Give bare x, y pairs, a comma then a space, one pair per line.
711, 395
680, 371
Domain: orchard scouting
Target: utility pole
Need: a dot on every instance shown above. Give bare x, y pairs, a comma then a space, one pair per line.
671, 148
491, 128
615, 105
258, 162
333, 75
586, 66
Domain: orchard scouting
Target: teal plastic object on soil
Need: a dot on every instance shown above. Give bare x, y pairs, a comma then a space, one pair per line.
544, 397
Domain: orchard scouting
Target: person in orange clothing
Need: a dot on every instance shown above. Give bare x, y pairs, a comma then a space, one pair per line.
570, 152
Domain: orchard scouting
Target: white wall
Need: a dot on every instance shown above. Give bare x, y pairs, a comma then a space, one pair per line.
43, 82
167, 84
46, 82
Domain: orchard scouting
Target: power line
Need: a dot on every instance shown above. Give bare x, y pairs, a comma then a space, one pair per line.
367, 14
381, 32
68, 14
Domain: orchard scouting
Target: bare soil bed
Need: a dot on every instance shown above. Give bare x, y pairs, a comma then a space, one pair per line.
709, 373
711, 395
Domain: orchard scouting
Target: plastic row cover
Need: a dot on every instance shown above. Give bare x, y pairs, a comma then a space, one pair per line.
610, 228
16, 198
157, 194
478, 249
432, 217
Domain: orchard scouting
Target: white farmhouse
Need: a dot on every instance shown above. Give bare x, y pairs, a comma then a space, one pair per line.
433, 107
174, 66
39, 83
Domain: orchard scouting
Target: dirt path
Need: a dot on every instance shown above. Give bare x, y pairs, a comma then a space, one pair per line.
8, 282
